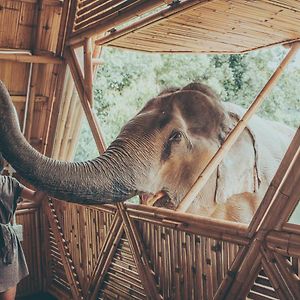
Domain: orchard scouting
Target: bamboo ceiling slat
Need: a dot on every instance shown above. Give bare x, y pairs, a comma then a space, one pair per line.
97, 10
240, 25
116, 18
102, 13
82, 9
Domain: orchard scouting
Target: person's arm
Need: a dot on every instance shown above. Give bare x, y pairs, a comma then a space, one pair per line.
35, 196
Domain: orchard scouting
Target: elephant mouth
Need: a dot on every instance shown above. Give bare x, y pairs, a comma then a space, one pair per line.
159, 199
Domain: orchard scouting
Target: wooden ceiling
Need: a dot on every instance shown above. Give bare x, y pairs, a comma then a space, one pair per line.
31, 45
215, 26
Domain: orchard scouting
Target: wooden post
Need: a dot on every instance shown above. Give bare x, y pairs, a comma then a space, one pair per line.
88, 70
235, 133
78, 79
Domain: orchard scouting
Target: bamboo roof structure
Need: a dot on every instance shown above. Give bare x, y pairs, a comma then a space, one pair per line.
49, 51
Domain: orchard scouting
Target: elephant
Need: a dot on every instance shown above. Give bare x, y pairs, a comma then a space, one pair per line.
159, 154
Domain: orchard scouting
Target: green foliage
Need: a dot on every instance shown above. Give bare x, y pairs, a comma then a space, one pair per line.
127, 80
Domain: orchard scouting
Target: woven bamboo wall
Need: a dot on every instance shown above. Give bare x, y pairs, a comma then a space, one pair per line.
187, 265
188, 262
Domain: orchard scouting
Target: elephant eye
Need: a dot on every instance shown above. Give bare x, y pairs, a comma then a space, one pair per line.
175, 136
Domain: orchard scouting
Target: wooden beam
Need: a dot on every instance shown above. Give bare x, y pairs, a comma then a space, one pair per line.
274, 278
56, 84
105, 25
88, 70
62, 34
26, 58
235, 133
31, 102
46, 2
78, 79
22, 98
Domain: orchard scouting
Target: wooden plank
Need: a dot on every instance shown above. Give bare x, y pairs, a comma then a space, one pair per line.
22, 98
25, 58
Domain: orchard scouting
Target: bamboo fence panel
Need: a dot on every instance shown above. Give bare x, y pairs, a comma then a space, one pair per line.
84, 231
186, 265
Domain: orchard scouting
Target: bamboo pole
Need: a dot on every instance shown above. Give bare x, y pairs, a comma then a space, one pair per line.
290, 278
236, 132
285, 199
62, 116
268, 263
88, 70
75, 135
287, 244
25, 58
54, 111
63, 28
76, 73
67, 127
139, 254
31, 100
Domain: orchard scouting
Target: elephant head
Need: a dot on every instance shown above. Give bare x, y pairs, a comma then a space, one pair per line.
161, 151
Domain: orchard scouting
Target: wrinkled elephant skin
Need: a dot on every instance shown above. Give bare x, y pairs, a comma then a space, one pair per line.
160, 152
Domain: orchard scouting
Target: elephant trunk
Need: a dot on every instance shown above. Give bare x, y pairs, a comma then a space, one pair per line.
101, 180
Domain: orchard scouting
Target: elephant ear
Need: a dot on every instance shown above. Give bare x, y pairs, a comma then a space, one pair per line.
201, 110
